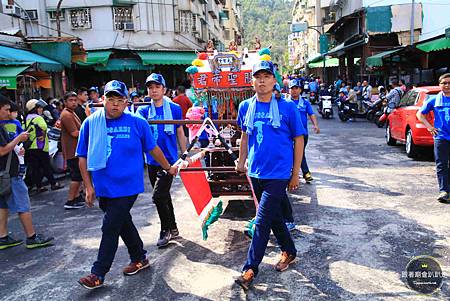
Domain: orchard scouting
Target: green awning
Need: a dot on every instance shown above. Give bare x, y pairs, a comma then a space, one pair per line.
96, 57
436, 45
127, 64
8, 75
377, 59
167, 57
333, 62
330, 62
58, 51
315, 59
21, 57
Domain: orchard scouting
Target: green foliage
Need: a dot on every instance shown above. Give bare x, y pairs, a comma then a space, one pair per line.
268, 20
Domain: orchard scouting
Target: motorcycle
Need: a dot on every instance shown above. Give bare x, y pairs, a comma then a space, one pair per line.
373, 108
325, 107
346, 110
312, 97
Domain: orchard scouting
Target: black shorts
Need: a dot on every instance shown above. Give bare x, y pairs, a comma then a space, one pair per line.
75, 174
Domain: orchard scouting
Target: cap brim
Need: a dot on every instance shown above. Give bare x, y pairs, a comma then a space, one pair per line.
263, 70
117, 91
154, 81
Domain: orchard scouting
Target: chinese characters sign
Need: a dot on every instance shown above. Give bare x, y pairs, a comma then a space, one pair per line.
8, 82
223, 79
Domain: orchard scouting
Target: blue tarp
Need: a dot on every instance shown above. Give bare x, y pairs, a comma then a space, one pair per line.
21, 57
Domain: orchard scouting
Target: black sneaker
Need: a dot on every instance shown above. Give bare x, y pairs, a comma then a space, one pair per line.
74, 204
39, 241
9, 242
164, 238
175, 233
80, 200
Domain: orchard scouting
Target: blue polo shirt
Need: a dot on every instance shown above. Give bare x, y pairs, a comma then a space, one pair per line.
305, 111
129, 136
270, 150
441, 116
167, 143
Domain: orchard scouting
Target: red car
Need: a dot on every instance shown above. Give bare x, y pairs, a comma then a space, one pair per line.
403, 125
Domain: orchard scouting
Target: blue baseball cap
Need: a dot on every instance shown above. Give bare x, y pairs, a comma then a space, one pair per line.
263, 66
116, 86
294, 83
277, 87
156, 78
93, 89
134, 94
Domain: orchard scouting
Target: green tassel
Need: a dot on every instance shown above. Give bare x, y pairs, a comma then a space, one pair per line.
250, 228
264, 51
213, 216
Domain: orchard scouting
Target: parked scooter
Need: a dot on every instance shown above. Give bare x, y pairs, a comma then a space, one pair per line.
373, 108
346, 110
325, 107
313, 97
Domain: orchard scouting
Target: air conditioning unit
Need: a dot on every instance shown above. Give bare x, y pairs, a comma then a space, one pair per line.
30, 15
128, 26
12, 10
196, 34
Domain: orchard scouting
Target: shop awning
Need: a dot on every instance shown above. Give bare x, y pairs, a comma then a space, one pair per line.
167, 57
21, 57
330, 62
123, 65
377, 59
316, 58
8, 75
435, 45
341, 48
96, 57
58, 51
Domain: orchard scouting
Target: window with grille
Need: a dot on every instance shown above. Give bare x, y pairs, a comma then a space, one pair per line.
80, 18
123, 18
194, 23
185, 21
52, 15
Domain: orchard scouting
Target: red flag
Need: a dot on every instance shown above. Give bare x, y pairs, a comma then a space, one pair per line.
197, 187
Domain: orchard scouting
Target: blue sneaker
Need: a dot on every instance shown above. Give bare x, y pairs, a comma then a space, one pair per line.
291, 226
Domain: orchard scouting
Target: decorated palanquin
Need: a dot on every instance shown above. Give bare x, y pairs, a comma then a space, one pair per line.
220, 81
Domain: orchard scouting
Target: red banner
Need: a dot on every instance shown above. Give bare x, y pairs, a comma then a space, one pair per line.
224, 79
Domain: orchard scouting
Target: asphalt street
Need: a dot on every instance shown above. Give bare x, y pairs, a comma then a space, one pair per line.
369, 210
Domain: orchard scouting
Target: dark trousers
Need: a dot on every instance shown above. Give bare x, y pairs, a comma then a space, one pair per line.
38, 162
287, 210
304, 166
117, 221
161, 183
441, 157
270, 195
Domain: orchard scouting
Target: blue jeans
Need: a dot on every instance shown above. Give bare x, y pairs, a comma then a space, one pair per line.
304, 166
441, 156
117, 222
270, 194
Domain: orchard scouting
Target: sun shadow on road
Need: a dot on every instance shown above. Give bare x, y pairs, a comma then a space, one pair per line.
325, 180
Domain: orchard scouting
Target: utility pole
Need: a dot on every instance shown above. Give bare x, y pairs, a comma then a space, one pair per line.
412, 23
58, 15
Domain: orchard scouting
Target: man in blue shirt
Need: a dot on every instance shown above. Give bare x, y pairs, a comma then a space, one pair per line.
166, 136
306, 110
440, 105
265, 121
110, 147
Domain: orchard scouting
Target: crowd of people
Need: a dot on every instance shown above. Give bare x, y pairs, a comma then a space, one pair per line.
103, 151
